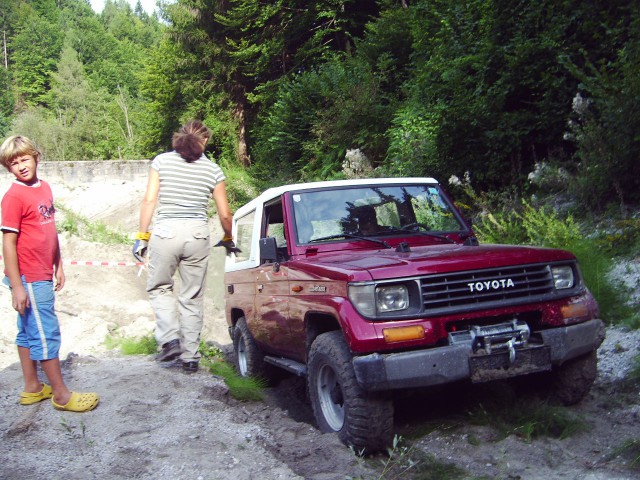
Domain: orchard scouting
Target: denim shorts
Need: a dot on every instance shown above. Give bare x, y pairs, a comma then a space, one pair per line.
38, 328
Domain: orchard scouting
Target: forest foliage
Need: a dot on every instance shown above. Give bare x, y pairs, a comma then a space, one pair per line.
513, 96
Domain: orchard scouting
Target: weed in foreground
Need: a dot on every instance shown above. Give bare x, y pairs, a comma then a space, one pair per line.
629, 451
529, 419
71, 431
133, 346
240, 388
404, 461
634, 373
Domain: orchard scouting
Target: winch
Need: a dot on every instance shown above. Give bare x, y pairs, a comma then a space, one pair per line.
491, 338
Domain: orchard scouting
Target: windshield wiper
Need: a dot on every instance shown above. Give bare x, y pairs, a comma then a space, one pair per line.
422, 232
349, 235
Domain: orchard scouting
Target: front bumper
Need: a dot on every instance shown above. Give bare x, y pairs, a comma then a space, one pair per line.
422, 368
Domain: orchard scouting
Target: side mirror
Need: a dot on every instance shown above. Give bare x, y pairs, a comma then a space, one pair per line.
268, 250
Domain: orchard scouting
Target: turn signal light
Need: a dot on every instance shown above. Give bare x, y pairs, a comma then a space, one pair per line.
402, 334
574, 310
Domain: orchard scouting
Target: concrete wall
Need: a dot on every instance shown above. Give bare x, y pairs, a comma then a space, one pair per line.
88, 171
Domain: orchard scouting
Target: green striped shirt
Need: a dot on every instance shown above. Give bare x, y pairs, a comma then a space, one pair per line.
185, 188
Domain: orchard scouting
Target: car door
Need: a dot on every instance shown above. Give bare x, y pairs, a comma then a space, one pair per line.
272, 287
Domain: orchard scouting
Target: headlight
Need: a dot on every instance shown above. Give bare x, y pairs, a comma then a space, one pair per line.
392, 298
371, 300
562, 277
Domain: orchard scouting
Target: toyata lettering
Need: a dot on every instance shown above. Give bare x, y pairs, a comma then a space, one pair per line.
490, 285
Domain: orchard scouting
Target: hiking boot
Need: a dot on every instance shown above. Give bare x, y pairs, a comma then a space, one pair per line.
170, 350
190, 367
175, 363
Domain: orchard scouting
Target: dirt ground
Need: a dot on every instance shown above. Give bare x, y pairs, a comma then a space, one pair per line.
160, 423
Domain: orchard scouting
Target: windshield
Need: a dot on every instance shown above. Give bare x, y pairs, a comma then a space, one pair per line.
329, 215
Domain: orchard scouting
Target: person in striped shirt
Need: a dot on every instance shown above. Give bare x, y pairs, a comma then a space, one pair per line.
180, 184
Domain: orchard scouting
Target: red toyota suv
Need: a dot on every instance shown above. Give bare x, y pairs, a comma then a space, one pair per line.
366, 286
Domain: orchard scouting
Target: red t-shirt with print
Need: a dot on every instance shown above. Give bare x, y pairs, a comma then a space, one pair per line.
29, 212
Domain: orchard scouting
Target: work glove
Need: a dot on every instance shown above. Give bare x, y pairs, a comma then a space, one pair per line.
139, 249
227, 242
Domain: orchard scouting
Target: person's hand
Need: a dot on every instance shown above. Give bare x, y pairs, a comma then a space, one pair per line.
227, 243
20, 299
139, 249
60, 279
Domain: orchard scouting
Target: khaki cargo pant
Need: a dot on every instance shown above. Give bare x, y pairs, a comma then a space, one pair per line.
182, 245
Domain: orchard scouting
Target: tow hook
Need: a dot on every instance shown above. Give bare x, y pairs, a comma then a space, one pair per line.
512, 350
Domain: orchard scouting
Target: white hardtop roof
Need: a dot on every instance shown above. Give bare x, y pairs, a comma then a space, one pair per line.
277, 191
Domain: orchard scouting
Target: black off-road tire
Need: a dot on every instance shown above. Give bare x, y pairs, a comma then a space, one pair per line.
248, 358
361, 419
574, 378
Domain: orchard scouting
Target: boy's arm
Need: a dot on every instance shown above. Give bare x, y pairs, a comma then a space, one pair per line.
19, 296
58, 271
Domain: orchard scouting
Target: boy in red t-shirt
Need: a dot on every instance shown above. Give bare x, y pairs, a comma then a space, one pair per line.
32, 259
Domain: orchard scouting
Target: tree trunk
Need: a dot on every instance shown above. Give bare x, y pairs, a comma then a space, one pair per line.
243, 156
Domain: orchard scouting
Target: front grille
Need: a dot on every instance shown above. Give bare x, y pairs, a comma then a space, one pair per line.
495, 287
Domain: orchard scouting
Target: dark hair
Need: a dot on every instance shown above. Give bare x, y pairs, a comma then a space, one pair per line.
190, 140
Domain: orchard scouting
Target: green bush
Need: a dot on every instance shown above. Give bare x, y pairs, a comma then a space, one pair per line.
240, 185
531, 226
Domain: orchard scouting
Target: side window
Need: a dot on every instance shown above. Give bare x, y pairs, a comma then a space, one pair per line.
243, 236
274, 225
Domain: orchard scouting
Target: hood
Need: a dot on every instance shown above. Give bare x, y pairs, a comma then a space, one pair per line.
426, 260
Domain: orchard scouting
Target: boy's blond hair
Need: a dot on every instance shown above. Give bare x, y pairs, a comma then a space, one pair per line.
16, 146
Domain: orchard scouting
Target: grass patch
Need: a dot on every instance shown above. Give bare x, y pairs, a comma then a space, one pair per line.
80, 226
630, 451
634, 373
133, 346
448, 422
507, 407
240, 388
406, 462
528, 419
428, 467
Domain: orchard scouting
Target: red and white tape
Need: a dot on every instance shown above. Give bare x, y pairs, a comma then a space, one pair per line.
99, 263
